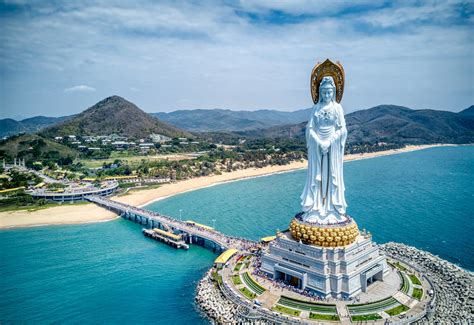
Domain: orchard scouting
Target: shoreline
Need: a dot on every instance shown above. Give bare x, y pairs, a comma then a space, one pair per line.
90, 213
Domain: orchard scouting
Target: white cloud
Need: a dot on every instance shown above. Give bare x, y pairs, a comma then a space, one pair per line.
214, 56
80, 88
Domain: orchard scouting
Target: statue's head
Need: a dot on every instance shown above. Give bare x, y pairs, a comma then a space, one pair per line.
327, 90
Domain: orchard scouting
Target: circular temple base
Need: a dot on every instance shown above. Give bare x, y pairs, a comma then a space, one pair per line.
334, 235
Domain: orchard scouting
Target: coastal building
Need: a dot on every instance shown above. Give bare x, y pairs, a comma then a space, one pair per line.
74, 194
159, 138
121, 145
145, 147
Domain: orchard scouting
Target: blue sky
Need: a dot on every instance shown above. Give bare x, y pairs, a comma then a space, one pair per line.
61, 57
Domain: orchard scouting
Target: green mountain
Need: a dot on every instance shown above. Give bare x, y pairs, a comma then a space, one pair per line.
113, 115
9, 127
384, 123
34, 147
392, 124
224, 120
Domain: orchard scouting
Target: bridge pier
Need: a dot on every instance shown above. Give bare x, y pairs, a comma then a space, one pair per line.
191, 234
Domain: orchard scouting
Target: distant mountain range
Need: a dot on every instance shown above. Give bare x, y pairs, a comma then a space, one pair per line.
199, 120
384, 123
392, 124
10, 126
113, 115
224, 120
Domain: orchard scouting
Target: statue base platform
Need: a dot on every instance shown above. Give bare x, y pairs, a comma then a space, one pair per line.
332, 267
325, 235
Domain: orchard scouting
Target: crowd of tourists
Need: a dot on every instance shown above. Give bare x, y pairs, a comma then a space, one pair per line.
285, 285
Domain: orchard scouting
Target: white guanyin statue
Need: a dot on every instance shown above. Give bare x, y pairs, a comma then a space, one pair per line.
323, 199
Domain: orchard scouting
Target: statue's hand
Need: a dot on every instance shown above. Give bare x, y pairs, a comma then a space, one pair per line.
325, 146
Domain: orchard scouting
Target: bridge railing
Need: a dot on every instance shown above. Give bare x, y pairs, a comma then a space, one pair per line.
214, 236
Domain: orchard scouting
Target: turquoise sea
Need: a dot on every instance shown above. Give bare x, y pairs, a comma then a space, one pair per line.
109, 273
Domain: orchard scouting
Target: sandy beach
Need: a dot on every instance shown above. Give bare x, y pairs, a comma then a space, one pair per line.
64, 214
91, 213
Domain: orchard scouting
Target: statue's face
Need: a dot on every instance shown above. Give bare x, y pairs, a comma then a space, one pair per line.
327, 94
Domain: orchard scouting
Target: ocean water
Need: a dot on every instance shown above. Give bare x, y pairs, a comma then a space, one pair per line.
109, 272
423, 198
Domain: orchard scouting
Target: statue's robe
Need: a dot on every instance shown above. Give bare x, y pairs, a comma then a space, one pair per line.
323, 195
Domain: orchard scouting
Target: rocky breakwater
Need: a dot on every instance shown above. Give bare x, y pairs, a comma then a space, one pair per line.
213, 303
454, 287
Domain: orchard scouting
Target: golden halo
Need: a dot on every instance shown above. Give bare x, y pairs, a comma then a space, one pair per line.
327, 68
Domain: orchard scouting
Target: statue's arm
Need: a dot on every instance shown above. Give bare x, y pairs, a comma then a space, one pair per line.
341, 130
310, 132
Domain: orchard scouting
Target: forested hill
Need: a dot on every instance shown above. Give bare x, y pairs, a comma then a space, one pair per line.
113, 115
392, 124
384, 123
9, 127
225, 120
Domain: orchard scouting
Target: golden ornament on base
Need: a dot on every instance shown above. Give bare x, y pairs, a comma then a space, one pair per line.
324, 236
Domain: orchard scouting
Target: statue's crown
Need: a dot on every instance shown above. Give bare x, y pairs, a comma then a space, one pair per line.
323, 70
327, 82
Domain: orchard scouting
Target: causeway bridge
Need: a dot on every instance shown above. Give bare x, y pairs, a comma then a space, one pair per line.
192, 234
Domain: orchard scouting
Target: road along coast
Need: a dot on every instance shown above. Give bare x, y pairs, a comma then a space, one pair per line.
70, 214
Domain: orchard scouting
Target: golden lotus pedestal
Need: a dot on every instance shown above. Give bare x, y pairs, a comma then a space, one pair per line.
334, 235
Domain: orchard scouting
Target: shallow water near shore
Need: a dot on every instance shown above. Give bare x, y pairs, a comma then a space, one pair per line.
109, 272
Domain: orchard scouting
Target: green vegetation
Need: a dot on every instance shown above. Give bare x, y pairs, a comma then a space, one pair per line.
258, 289
249, 294
397, 310
357, 318
306, 305
127, 185
417, 293
414, 279
12, 186
236, 279
373, 306
217, 278
36, 148
324, 317
16, 179
405, 283
399, 266
237, 267
286, 310
131, 159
